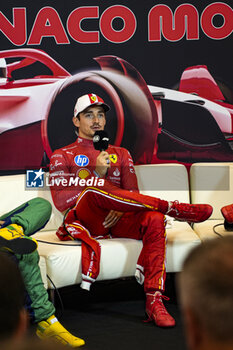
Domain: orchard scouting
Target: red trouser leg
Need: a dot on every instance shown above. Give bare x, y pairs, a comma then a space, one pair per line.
150, 227
94, 204
98, 202
91, 251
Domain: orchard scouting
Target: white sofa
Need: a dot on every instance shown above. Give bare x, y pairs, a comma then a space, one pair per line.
62, 262
211, 183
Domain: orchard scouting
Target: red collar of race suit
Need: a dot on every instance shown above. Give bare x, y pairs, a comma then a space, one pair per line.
84, 142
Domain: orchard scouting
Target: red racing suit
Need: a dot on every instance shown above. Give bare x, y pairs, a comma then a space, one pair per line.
92, 198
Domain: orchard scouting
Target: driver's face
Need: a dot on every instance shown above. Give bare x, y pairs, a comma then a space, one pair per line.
89, 121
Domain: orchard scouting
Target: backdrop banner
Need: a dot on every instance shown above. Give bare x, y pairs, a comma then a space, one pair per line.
164, 68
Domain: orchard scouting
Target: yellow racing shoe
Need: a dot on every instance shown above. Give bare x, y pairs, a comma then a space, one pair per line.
52, 329
12, 238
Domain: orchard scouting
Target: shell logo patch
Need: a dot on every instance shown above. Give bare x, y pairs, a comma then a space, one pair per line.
116, 172
83, 173
113, 158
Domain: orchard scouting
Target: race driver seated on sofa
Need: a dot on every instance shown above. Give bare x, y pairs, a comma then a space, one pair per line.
114, 208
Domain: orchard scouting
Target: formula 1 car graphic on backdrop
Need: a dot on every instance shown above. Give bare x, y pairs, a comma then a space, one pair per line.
196, 121
154, 123
36, 110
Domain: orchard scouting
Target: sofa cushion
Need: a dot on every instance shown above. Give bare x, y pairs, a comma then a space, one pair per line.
165, 181
212, 183
205, 230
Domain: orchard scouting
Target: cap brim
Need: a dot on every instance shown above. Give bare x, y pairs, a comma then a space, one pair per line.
104, 105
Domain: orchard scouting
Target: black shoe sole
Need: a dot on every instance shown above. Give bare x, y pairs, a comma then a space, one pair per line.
18, 245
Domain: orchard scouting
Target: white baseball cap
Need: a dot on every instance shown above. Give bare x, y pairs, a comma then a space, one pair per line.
89, 100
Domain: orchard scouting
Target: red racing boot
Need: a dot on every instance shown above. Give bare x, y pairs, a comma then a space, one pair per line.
156, 310
189, 212
227, 212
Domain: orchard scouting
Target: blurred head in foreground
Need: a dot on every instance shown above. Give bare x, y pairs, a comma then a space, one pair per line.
205, 286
